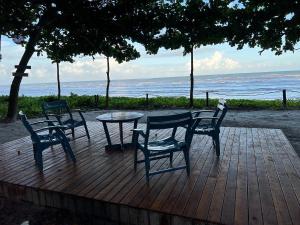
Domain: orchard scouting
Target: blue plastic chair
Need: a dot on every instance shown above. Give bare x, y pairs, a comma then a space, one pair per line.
57, 109
210, 125
164, 148
42, 140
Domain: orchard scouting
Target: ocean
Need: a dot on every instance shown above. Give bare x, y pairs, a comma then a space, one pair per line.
266, 85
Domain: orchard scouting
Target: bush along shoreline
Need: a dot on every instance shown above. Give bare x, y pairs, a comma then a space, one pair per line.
32, 105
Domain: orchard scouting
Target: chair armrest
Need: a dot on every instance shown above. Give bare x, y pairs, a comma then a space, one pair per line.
206, 118
80, 113
55, 115
77, 110
139, 131
44, 121
49, 127
197, 113
203, 110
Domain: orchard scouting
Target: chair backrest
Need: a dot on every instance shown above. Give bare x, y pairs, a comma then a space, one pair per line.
33, 134
58, 107
171, 122
221, 109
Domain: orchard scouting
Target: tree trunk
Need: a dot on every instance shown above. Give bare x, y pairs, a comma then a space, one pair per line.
108, 82
58, 80
192, 79
15, 86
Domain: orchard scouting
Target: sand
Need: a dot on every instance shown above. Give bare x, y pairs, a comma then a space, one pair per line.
287, 120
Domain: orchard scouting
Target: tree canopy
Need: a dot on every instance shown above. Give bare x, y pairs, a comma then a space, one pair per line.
273, 25
64, 29
68, 28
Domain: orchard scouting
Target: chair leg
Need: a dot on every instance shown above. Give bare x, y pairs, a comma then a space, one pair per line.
171, 159
34, 152
86, 130
217, 141
39, 159
73, 133
68, 150
135, 158
187, 160
147, 167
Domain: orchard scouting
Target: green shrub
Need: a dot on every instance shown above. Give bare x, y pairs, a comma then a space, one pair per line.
32, 105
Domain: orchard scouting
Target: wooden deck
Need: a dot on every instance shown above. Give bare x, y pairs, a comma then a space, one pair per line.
256, 180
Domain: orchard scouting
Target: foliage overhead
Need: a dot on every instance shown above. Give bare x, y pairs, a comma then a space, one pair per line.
193, 23
72, 27
268, 24
110, 27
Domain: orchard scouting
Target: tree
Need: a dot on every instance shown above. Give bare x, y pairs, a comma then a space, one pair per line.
107, 85
57, 52
80, 23
192, 24
273, 25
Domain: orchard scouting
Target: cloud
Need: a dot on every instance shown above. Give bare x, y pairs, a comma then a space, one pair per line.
216, 63
88, 69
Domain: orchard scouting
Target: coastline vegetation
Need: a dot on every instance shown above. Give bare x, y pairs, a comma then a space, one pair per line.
32, 105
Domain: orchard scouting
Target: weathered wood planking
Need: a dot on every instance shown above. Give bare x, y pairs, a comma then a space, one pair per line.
256, 180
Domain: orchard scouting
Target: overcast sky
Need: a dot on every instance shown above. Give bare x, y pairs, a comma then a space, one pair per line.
216, 59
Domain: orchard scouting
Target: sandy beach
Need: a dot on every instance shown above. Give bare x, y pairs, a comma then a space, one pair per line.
287, 120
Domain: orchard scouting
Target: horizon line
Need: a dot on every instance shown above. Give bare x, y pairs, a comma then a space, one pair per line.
168, 77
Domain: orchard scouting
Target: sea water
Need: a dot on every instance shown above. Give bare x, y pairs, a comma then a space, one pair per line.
267, 85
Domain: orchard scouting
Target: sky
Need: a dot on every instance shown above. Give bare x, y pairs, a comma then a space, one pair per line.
208, 60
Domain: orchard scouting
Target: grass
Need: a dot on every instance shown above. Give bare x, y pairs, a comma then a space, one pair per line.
32, 105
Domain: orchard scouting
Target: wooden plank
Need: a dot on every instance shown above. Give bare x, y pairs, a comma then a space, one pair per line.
267, 205
136, 193
255, 208
164, 180
215, 174
241, 197
286, 185
116, 183
281, 208
174, 186
225, 186
183, 181
187, 204
228, 208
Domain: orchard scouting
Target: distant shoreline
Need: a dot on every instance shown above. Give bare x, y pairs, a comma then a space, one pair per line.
264, 85
170, 77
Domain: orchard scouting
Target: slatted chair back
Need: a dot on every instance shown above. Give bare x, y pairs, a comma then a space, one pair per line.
221, 109
212, 128
170, 122
33, 134
57, 107
63, 114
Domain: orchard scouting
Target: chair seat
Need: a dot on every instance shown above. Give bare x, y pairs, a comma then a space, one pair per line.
204, 129
49, 138
164, 145
72, 123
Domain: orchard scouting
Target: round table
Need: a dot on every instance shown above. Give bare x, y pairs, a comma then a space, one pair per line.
118, 117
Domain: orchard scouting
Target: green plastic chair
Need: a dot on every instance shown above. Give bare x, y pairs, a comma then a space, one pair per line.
210, 125
41, 140
57, 109
164, 148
